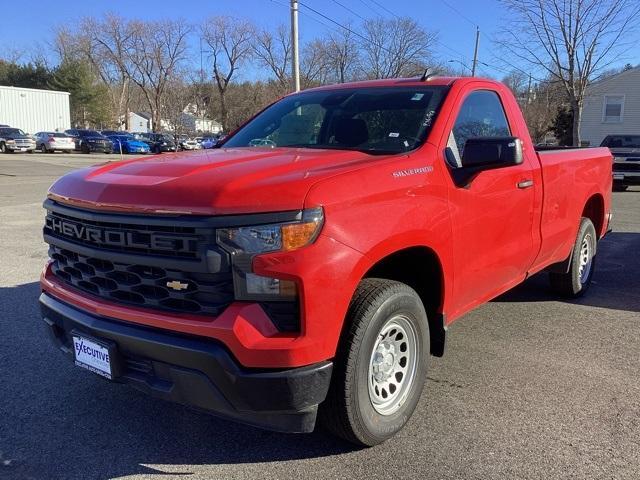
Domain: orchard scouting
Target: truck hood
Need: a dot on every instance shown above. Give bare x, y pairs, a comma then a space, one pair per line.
210, 182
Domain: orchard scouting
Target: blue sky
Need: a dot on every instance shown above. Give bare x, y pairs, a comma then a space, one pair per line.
456, 34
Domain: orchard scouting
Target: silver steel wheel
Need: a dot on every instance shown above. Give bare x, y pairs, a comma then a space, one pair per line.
392, 367
586, 258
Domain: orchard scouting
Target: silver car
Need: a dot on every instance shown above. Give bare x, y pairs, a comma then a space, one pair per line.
49, 142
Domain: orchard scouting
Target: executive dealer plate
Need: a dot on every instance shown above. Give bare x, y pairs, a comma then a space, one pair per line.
92, 355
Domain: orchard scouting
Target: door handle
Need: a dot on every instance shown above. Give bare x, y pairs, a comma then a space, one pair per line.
525, 184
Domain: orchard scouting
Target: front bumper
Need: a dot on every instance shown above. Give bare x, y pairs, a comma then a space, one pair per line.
97, 147
626, 177
21, 147
197, 372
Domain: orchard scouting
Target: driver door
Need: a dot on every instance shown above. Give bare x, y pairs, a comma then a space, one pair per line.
493, 216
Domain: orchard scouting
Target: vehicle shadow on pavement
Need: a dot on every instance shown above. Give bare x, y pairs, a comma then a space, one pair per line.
616, 283
51, 410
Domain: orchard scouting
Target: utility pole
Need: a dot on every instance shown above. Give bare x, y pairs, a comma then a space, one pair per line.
475, 53
295, 64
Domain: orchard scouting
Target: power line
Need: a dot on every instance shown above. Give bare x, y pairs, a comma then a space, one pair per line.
384, 8
349, 10
308, 16
362, 37
464, 17
475, 24
371, 6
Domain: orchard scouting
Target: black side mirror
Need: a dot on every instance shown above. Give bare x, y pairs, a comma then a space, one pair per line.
486, 153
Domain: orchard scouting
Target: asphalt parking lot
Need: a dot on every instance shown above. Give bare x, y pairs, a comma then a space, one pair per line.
530, 387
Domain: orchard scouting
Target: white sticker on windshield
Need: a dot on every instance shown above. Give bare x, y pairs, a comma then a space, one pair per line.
417, 97
394, 134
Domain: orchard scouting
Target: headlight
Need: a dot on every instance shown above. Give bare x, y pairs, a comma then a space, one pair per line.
11, 141
243, 243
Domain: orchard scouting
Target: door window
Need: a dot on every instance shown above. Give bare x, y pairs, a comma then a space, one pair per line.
481, 115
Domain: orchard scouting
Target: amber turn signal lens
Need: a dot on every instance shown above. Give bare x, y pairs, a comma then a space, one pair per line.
297, 235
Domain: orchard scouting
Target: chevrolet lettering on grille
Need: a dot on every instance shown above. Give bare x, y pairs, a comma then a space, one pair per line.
117, 238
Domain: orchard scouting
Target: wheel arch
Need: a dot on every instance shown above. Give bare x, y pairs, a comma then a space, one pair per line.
420, 268
594, 211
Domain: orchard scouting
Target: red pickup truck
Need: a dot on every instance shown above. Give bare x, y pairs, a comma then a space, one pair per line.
310, 265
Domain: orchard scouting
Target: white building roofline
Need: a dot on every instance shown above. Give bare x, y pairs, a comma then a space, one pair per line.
34, 90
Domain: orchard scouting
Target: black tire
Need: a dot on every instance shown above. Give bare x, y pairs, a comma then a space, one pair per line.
349, 411
574, 284
85, 149
620, 188
3, 148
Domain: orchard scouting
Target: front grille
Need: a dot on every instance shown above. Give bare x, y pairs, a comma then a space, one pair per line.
143, 285
626, 167
124, 258
126, 237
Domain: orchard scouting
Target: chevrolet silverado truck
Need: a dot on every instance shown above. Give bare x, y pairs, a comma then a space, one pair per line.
311, 276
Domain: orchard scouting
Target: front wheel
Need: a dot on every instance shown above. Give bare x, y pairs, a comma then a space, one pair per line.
577, 280
381, 364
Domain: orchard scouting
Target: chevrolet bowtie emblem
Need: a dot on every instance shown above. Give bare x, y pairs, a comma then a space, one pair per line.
177, 285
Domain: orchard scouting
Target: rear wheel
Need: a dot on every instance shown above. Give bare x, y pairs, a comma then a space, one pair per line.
381, 364
577, 280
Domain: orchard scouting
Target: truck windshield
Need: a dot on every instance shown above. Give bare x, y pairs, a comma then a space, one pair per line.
11, 131
622, 141
375, 120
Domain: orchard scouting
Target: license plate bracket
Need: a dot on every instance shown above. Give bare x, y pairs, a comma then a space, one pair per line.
96, 355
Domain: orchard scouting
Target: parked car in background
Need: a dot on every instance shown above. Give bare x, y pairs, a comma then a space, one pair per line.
87, 141
158, 142
626, 160
208, 142
108, 133
15, 140
128, 144
190, 145
49, 142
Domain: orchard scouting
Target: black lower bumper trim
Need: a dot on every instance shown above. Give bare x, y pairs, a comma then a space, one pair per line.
197, 372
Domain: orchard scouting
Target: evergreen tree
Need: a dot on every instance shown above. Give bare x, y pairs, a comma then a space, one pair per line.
89, 99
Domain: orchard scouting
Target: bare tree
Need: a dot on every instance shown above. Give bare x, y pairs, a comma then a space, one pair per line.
154, 55
230, 41
183, 95
343, 54
273, 50
572, 40
314, 63
395, 48
105, 44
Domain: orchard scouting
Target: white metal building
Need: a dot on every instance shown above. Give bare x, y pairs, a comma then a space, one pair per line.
34, 110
